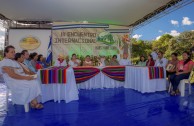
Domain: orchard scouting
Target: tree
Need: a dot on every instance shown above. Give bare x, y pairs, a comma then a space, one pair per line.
182, 43
140, 48
167, 44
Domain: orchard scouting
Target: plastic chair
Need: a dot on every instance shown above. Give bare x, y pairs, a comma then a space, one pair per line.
182, 85
8, 91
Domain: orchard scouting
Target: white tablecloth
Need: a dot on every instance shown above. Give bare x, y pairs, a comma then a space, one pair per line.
58, 92
100, 81
137, 78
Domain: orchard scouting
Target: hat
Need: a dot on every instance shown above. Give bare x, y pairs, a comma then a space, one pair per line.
61, 56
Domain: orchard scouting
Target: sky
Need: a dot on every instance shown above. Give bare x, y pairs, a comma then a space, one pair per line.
174, 23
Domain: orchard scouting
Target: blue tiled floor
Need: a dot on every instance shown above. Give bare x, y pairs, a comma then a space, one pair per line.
107, 107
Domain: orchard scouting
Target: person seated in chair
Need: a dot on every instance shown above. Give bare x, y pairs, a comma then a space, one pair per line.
20, 59
184, 68
40, 62
33, 60
172, 64
74, 61
60, 61
25, 88
87, 61
142, 61
27, 61
150, 62
125, 61
114, 61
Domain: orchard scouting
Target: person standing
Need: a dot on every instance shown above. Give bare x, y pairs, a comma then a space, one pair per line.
161, 61
154, 54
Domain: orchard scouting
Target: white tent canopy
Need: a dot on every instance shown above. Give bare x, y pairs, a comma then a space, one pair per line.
117, 12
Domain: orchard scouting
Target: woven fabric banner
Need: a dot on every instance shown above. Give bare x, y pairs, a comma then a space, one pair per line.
83, 74
115, 72
54, 75
156, 72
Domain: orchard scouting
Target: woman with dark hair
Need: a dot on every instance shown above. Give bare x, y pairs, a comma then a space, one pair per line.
74, 61
142, 61
40, 64
27, 62
33, 61
171, 66
150, 61
25, 89
114, 61
87, 61
19, 57
183, 70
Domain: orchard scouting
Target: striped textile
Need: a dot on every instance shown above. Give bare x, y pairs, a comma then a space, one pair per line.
156, 72
115, 72
54, 75
83, 74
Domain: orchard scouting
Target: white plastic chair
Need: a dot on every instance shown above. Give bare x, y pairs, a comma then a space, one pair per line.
8, 91
182, 85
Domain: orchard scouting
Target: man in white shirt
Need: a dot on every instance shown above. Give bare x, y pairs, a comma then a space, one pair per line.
154, 54
125, 61
161, 61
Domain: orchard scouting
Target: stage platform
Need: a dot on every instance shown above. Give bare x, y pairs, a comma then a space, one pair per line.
105, 107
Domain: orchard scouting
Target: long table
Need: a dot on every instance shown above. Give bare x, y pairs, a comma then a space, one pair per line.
100, 81
136, 78
58, 92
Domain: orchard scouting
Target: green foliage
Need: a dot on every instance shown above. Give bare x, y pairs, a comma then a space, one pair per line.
1, 55
140, 48
167, 44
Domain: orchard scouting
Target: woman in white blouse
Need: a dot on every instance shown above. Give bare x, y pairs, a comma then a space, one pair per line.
74, 61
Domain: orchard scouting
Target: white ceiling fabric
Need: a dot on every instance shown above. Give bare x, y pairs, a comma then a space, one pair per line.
118, 12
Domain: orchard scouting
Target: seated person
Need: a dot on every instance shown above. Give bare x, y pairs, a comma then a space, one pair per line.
101, 61
74, 61
25, 89
150, 61
125, 61
20, 59
142, 61
183, 70
87, 61
27, 61
161, 61
40, 64
45, 62
171, 66
60, 61
114, 61
33, 60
